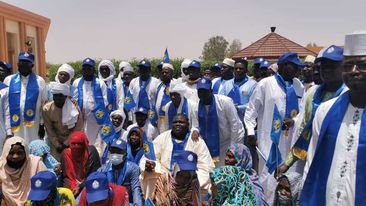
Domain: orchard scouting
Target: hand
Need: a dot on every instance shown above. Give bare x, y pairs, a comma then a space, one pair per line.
149, 166
287, 124
280, 170
252, 140
195, 136
41, 131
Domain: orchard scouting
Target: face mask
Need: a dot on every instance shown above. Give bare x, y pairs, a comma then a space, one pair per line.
116, 159
15, 165
283, 200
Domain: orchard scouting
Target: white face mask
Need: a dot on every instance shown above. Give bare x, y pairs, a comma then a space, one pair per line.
116, 159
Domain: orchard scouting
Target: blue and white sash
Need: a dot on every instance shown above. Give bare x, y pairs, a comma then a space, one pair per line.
292, 104
314, 190
177, 146
209, 128
274, 158
164, 100
172, 111
30, 104
234, 93
2, 86
122, 174
143, 96
302, 144
112, 97
242, 82
99, 110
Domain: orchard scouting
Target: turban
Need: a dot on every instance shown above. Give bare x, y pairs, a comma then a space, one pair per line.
124, 67
178, 88
112, 70
120, 113
68, 69
59, 88
167, 65
185, 64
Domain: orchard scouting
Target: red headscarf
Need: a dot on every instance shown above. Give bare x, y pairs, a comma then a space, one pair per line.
76, 157
120, 196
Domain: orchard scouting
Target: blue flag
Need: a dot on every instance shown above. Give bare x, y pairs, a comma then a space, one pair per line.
274, 157
166, 56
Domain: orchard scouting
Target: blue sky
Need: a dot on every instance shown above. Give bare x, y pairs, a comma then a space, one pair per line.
124, 29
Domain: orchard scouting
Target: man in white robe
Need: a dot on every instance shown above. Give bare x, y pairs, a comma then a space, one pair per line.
194, 72
88, 102
268, 93
181, 105
184, 71
335, 170
218, 121
143, 87
123, 81
33, 129
164, 147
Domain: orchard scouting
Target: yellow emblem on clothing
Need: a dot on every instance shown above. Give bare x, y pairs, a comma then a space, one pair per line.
110, 106
146, 148
106, 129
127, 100
293, 113
100, 114
15, 118
276, 125
151, 114
29, 112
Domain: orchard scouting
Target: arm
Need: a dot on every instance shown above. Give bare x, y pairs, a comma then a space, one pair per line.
103, 87
251, 113
135, 186
52, 136
236, 127
80, 123
7, 114
205, 163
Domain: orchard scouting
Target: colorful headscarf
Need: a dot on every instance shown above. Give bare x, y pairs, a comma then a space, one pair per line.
233, 187
39, 148
244, 161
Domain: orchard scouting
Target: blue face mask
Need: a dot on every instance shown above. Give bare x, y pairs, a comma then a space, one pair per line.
117, 159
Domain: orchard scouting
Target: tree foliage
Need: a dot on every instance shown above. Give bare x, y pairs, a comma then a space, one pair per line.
234, 47
215, 49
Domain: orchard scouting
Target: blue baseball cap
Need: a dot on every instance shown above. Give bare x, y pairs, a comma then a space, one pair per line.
41, 185
290, 57
89, 61
6, 66
144, 63
265, 64
258, 60
186, 160
120, 144
204, 83
26, 56
160, 65
333, 53
142, 110
97, 187
216, 67
195, 64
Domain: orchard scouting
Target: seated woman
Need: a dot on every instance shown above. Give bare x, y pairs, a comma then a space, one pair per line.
231, 186
288, 189
239, 155
78, 161
39, 148
17, 167
135, 145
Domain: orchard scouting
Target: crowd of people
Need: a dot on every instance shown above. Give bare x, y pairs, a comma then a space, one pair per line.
293, 133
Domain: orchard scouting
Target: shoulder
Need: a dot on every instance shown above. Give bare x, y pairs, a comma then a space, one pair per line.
76, 82
8, 79
324, 108
222, 98
162, 136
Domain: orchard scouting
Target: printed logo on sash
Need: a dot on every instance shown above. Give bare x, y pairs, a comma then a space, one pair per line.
151, 114
146, 148
110, 106
276, 125
293, 113
29, 112
100, 114
106, 129
127, 100
15, 118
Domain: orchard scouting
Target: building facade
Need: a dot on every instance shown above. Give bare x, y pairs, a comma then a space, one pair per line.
22, 30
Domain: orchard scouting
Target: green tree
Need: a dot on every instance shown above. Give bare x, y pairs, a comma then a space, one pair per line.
215, 49
234, 47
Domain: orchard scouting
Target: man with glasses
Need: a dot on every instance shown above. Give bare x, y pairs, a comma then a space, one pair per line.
335, 169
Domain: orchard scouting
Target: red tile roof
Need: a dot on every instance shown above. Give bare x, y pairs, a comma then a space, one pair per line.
272, 46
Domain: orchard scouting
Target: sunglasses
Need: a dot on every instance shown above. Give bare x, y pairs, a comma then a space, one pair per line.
348, 67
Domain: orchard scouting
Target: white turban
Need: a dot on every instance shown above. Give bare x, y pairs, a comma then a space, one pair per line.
59, 88
355, 44
68, 69
112, 70
184, 65
124, 67
121, 114
167, 65
178, 88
